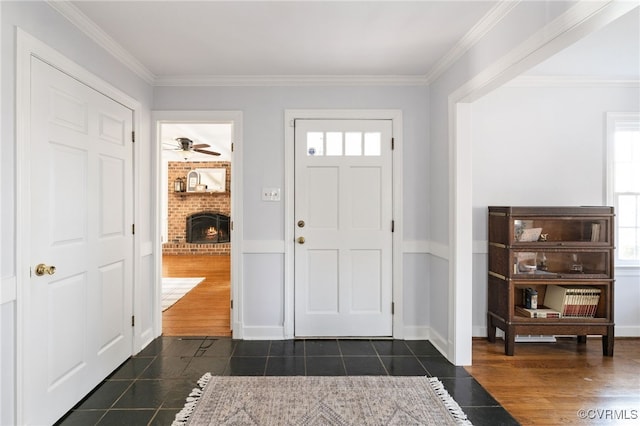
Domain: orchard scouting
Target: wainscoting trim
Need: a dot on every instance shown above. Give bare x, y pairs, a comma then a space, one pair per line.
262, 246
263, 333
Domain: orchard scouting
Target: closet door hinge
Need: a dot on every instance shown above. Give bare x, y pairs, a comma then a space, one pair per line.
133, 136
393, 144
133, 229
133, 320
393, 308
393, 226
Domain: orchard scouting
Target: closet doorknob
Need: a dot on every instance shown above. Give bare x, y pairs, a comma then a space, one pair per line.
43, 269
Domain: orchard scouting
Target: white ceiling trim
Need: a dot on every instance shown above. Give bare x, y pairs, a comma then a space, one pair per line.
292, 80
94, 32
579, 20
571, 81
475, 34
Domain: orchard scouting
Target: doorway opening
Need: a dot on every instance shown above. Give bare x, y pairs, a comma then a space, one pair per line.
195, 201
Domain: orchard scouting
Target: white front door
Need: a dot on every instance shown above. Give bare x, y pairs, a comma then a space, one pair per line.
343, 228
77, 319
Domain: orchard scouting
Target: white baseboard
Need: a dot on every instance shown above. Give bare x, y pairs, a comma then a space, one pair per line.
416, 332
439, 342
419, 333
479, 331
520, 338
627, 331
263, 333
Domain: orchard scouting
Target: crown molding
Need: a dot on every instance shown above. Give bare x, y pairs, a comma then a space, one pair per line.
488, 21
573, 81
475, 34
95, 33
582, 18
291, 80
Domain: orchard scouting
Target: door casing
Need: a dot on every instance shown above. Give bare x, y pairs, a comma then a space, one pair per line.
28, 46
396, 118
234, 117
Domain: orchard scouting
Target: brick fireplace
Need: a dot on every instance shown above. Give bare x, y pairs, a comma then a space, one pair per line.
183, 206
208, 228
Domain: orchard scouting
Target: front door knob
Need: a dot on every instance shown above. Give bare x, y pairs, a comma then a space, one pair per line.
300, 240
43, 269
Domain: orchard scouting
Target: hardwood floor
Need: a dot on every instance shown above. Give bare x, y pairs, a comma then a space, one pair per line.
549, 383
542, 384
205, 310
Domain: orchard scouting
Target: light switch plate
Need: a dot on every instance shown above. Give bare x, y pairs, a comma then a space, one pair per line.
270, 194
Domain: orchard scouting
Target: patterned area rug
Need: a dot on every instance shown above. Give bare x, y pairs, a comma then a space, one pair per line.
174, 288
326, 401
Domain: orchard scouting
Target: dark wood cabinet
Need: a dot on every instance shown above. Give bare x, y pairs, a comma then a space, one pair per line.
534, 248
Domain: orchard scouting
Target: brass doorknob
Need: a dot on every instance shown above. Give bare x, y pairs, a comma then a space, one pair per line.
43, 269
301, 224
300, 240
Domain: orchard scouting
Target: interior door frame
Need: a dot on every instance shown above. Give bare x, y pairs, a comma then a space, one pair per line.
234, 117
289, 262
28, 47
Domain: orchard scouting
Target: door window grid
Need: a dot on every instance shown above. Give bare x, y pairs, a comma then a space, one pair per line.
336, 144
624, 184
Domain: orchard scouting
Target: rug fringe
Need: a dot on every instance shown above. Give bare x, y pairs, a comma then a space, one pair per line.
449, 402
192, 400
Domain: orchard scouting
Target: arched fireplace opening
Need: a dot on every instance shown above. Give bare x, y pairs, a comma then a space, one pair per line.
208, 228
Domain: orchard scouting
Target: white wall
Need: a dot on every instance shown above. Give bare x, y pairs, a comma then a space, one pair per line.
263, 156
41, 21
545, 146
492, 55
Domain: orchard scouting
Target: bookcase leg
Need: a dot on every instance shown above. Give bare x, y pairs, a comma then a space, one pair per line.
607, 343
491, 329
509, 341
582, 339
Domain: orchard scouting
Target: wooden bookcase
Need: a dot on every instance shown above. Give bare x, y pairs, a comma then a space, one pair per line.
538, 247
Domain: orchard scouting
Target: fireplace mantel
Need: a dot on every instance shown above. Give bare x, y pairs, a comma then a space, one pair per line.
184, 204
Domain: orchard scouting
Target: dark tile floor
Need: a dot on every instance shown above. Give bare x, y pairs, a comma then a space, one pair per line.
151, 387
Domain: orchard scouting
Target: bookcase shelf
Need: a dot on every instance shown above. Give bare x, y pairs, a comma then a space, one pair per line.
569, 248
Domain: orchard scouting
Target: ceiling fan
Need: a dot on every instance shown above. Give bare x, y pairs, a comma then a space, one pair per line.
186, 145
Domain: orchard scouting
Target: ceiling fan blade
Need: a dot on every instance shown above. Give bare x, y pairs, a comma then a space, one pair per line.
204, 151
201, 145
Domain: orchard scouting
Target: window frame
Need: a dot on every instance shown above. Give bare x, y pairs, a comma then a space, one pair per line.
616, 120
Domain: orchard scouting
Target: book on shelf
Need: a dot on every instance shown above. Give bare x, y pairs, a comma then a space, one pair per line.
573, 302
541, 312
595, 232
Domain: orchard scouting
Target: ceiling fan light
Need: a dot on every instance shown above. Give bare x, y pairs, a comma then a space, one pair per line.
185, 143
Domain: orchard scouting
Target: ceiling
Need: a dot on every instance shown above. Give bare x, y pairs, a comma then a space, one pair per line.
612, 53
174, 40
315, 42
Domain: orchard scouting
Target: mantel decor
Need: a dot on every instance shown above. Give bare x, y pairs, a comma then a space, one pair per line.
181, 205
